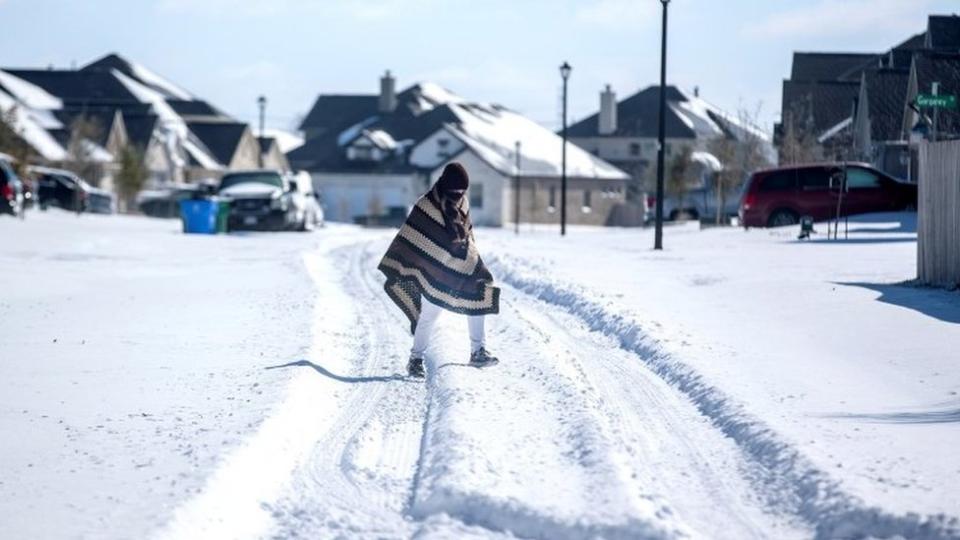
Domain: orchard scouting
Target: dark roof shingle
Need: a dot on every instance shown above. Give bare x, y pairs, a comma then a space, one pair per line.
816, 66
887, 96
221, 138
639, 116
944, 32
828, 102
77, 86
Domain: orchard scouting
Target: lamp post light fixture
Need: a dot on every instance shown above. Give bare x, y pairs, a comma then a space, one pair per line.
565, 70
262, 103
661, 137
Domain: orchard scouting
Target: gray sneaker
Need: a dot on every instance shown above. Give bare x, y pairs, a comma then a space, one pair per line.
415, 367
482, 358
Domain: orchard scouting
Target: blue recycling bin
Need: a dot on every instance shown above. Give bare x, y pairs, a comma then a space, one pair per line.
199, 216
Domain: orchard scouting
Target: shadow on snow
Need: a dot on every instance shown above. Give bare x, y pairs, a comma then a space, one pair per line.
341, 378
932, 302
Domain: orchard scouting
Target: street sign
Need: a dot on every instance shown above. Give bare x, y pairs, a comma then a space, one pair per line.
944, 101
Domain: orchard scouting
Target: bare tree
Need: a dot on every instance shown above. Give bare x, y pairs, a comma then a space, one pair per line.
83, 132
740, 154
799, 141
131, 177
678, 176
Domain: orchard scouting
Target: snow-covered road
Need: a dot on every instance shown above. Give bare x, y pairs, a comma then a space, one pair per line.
588, 428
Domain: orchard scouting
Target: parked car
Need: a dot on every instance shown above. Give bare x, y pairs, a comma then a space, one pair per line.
780, 196
100, 201
269, 200
60, 188
698, 202
313, 210
165, 202
11, 190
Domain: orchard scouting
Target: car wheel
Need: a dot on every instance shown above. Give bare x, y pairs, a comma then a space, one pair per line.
783, 218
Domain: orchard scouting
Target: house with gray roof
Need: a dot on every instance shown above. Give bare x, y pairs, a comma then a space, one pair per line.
625, 133
130, 104
858, 106
373, 155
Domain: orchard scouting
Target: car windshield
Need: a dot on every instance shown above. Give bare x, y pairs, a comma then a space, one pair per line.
269, 178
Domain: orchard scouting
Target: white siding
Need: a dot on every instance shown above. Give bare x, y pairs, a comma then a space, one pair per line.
347, 196
432, 151
483, 177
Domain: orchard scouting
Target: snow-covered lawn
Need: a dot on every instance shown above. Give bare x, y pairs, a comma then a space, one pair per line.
736, 385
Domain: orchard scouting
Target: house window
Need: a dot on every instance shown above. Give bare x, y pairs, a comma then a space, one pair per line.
634, 149
476, 196
586, 201
552, 199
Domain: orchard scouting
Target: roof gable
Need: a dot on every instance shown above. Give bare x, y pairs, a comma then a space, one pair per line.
639, 116
826, 103
221, 138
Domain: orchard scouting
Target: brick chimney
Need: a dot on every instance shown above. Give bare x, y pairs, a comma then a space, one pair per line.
608, 112
388, 93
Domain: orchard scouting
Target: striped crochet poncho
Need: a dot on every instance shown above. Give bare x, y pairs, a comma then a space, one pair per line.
423, 261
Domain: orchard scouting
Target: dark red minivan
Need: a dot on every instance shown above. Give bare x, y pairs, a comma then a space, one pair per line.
780, 196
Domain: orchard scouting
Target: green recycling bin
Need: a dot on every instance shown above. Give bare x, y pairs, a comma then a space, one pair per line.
223, 215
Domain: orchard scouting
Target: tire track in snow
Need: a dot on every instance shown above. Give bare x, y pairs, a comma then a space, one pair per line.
796, 484
355, 482
672, 452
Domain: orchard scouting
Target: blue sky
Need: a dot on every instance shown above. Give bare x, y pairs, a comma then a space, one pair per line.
736, 51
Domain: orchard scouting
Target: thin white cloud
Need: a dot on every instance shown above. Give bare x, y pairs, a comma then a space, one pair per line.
836, 18
617, 13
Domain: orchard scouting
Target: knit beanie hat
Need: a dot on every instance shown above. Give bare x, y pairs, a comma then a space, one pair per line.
454, 177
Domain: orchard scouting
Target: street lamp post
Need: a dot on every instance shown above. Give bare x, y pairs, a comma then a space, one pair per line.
262, 103
658, 234
516, 194
565, 70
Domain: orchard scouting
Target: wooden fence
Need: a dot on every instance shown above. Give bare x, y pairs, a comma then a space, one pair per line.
938, 214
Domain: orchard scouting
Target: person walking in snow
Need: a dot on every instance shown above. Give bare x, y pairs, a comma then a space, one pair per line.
433, 265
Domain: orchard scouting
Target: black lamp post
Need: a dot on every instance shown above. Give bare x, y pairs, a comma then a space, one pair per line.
658, 234
262, 103
516, 194
565, 70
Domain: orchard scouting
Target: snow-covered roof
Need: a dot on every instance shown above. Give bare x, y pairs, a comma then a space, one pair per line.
30, 125
285, 140
28, 93
141, 74
348, 135
492, 132
426, 109
833, 131
380, 138
707, 159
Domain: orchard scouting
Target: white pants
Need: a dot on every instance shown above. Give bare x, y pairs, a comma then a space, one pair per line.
428, 319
